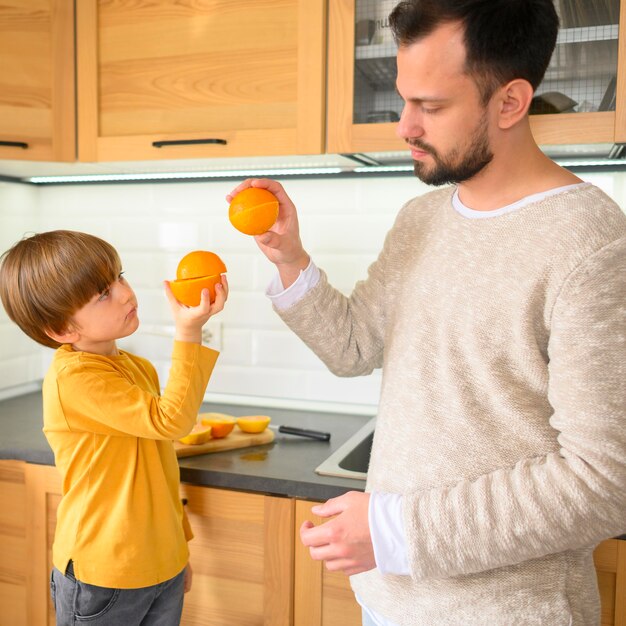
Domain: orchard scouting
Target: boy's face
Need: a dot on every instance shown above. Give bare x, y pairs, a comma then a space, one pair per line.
108, 316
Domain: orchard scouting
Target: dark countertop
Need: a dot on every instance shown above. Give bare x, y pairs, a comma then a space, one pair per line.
285, 467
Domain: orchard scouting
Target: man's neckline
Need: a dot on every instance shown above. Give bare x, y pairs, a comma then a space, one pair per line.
465, 211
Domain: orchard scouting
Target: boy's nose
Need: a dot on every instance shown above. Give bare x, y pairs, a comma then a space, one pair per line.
126, 293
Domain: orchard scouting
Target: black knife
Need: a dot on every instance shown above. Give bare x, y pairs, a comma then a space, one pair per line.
302, 432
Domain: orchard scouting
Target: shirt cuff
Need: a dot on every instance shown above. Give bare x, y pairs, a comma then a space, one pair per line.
387, 531
284, 298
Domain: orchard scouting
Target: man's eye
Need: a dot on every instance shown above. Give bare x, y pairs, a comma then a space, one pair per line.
430, 110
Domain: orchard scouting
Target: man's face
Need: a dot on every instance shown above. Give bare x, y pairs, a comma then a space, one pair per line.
443, 120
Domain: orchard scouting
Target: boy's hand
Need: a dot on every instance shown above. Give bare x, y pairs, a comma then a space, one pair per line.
281, 245
189, 320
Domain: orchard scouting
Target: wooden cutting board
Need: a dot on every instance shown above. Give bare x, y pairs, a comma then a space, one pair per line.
236, 439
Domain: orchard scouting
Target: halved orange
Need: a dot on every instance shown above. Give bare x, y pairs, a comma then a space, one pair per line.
253, 211
221, 424
200, 433
196, 271
253, 423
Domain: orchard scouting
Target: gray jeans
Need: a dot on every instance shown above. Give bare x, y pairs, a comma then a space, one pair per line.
76, 602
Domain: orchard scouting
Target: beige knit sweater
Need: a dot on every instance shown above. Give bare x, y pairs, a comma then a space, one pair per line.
502, 412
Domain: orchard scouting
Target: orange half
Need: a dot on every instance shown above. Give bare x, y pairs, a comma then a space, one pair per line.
199, 263
220, 423
199, 434
189, 291
253, 423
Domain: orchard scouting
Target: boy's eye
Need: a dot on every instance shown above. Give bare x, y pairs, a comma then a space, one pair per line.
104, 294
121, 276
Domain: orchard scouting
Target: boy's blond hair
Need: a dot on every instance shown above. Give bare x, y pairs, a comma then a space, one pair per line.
46, 278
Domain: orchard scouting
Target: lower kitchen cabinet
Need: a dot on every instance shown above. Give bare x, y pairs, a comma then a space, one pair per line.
14, 562
241, 557
610, 561
249, 566
241, 554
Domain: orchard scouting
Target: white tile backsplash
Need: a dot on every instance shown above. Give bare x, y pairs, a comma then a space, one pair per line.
343, 225
20, 214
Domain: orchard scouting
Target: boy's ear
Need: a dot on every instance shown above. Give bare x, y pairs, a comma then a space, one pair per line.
69, 335
515, 98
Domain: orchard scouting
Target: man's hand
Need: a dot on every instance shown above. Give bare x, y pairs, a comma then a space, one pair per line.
188, 577
343, 543
281, 245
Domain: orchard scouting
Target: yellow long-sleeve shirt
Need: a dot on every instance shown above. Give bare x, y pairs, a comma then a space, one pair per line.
120, 519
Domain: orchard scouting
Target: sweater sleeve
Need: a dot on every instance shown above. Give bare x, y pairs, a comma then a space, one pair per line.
346, 333
565, 500
100, 399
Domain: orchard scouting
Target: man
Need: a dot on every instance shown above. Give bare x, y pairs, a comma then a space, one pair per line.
496, 310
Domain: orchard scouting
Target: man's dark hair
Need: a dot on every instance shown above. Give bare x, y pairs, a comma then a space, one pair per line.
504, 39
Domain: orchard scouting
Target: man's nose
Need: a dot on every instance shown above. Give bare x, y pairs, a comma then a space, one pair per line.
410, 124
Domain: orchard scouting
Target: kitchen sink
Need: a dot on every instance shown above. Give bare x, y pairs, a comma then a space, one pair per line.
352, 459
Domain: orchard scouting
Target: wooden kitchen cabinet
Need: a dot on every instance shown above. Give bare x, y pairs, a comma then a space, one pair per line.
37, 95
208, 78
250, 568
241, 554
14, 568
610, 562
589, 65
242, 558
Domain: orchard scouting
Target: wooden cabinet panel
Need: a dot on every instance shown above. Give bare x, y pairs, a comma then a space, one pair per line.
43, 487
242, 558
13, 547
620, 100
246, 77
37, 110
610, 561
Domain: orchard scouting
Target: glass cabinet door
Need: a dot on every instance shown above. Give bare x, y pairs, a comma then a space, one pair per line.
375, 97
582, 74
582, 77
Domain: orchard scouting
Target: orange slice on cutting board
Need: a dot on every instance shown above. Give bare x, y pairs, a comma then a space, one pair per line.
221, 424
199, 434
253, 423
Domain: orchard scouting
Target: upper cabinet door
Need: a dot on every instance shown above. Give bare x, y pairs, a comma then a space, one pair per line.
37, 117
199, 78
581, 100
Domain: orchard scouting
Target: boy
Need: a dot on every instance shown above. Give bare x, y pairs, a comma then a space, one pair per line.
120, 552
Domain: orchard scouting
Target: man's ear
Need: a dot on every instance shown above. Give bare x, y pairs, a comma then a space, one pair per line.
514, 100
69, 335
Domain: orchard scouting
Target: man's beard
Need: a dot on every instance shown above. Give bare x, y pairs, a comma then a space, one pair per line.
447, 170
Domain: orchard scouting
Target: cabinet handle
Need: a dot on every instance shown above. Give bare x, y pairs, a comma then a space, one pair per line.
14, 144
187, 142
